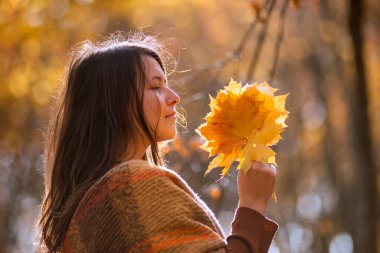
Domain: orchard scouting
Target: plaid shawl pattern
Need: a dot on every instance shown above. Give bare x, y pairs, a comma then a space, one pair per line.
137, 207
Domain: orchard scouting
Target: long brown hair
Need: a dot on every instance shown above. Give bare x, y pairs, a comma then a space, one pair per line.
96, 116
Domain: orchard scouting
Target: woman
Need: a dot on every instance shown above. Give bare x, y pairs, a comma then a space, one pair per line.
107, 189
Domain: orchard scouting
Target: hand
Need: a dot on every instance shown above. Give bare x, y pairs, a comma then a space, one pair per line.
256, 187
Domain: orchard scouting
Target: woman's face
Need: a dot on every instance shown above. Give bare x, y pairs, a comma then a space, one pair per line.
159, 101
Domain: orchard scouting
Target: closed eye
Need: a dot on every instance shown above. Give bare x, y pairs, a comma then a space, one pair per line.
156, 82
155, 85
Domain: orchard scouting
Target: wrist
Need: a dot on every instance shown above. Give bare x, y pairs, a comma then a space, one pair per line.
258, 207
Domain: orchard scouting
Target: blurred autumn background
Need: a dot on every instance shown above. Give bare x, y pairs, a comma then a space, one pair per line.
325, 53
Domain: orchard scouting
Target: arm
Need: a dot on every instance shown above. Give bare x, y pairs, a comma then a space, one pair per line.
137, 210
251, 231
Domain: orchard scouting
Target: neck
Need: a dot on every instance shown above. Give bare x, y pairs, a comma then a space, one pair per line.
134, 152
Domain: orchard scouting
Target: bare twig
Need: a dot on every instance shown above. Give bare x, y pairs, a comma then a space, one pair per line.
262, 36
243, 41
279, 40
220, 64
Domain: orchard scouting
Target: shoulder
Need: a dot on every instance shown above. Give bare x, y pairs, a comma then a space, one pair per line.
120, 207
137, 204
134, 178
141, 173
136, 172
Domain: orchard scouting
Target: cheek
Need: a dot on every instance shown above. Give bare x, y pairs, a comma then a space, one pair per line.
152, 109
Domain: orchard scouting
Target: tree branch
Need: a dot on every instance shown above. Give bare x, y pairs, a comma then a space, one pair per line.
262, 36
279, 40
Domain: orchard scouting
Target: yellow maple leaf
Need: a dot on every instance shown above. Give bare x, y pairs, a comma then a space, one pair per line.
242, 125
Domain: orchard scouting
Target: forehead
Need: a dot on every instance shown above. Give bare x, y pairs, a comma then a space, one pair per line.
153, 68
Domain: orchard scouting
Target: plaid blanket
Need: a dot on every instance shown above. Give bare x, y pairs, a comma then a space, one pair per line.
137, 207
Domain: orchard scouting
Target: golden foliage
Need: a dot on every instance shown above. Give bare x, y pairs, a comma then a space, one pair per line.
295, 3
256, 7
180, 148
242, 125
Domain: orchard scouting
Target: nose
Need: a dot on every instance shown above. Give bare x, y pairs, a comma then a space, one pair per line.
173, 98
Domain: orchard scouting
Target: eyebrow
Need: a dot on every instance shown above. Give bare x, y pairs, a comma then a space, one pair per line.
159, 78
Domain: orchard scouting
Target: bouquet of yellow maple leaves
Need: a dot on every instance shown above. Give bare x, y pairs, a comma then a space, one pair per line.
242, 125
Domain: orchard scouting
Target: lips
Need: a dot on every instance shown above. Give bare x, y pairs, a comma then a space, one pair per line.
170, 115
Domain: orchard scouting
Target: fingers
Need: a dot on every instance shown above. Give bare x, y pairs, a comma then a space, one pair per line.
258, 171
273, 169
264, 167
256, 186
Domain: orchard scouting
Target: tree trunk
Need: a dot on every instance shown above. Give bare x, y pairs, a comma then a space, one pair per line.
365, 233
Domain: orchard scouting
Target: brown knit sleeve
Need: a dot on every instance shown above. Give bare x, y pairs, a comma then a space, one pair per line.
251, 232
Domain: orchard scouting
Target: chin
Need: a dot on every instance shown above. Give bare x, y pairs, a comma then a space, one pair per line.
168, 136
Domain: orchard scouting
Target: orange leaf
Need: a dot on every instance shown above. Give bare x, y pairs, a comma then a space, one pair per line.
242, 125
